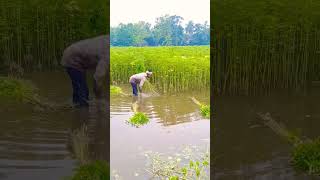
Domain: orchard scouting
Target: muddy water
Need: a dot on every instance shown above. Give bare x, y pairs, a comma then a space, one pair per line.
175, 122
246, 149
36, 145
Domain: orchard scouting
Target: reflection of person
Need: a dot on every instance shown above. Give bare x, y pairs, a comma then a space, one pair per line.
84, 55
137, 104
139, 79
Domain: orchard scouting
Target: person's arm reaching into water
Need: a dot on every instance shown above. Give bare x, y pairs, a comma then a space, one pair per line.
101, 71
141, 84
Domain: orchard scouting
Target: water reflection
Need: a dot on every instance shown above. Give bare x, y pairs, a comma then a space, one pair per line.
166, 109
175, 121
248, 150
38, 145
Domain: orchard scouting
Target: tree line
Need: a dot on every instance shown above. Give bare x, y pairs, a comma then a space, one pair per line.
167, 31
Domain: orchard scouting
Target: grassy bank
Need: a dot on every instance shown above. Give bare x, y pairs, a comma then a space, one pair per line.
175, 69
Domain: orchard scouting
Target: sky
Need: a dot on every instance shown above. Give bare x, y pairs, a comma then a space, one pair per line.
132, 11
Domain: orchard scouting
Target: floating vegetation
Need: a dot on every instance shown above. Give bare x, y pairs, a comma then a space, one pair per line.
15, 90
176, 69
18, 91
97, 170
306, 156
305, 153
138, 119
190, 164
204, 109
115, 90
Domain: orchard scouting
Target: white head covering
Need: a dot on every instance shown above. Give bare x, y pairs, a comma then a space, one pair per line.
149, 73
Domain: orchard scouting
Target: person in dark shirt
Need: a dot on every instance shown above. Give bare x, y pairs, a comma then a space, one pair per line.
82, 56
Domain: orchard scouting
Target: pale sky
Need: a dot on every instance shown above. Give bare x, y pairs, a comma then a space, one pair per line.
132, 11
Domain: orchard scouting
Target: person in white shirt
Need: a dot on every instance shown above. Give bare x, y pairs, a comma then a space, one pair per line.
138, 80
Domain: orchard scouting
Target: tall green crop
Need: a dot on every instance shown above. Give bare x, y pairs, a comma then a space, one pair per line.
175, 69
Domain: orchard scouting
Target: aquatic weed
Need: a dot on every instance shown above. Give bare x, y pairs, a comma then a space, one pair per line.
17, 90
139, 119
190, 164
115, 90
97, 170
205, 110
305, 153
306, 156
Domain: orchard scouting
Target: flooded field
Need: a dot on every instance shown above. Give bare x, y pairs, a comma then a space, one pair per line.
37, 145
246, 149
175, 123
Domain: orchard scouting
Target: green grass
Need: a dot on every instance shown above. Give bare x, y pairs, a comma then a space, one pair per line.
175, 69
139, 119
306, 157
115, 90
97, 170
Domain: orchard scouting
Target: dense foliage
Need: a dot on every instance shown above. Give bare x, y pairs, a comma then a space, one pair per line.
262, 45
167, 31
306, 157
175, 69
34, 33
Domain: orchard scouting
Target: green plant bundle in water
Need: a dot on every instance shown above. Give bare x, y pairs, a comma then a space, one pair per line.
139, 119
306, 157
305, 153
115, 90
98, 170
17, 90
205, 110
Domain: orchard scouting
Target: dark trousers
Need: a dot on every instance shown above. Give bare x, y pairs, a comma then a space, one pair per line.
79, 86
134, 89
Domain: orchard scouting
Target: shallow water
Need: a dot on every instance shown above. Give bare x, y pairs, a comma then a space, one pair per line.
175, 122
36, 145
246, 149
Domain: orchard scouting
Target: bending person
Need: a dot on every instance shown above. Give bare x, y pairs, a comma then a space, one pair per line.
82, 56
138, 80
